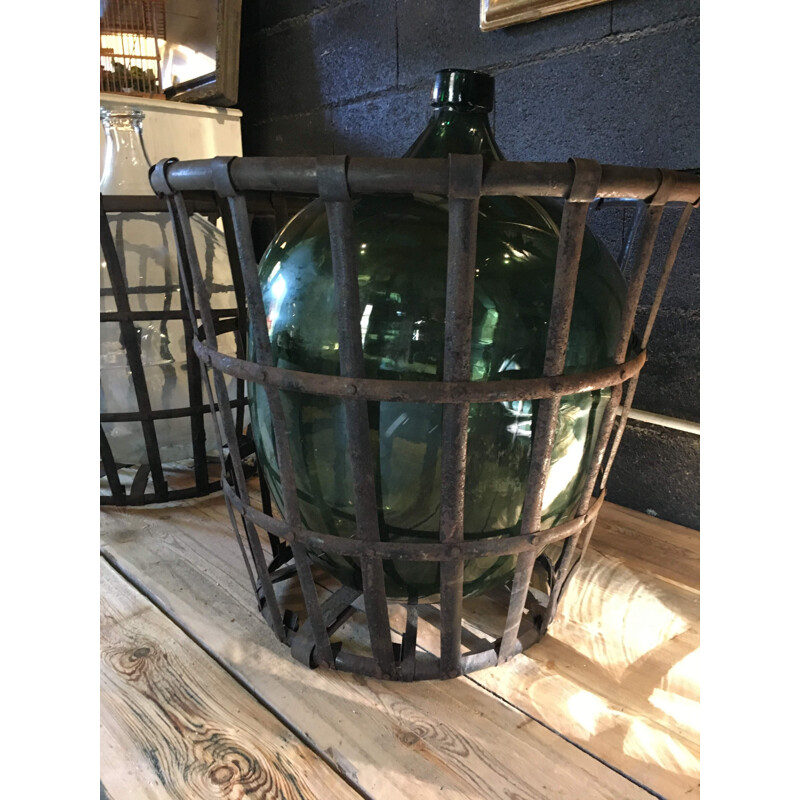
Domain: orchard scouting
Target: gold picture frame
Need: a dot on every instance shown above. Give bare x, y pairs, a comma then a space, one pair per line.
502, 13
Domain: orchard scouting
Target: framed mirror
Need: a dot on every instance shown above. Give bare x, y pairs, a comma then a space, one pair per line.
200, 63
502, 13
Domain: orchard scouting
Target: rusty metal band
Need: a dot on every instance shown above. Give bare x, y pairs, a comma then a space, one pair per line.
426, 665
464, 188
415, 550
675, 243
669, 262
408, 648
419, 391
238, 233
110, 468
642, 247
263, 587
116, 316
165, 413
642, 251
586, 538
185, 246
251, 567
193, 370
334, 192
133, 354
180, 217
432, 176
191, 271
241, 303
241, 231
587, 176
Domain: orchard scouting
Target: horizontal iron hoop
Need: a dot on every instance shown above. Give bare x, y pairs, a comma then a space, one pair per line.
166, 413
412, 551
432, 176
115, 316
172, 495
420, 391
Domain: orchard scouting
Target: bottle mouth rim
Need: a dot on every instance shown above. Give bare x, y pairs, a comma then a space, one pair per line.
463, 89
121, 112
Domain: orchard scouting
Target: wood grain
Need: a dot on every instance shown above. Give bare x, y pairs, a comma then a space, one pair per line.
650, 545
448, 739
618, 672
174, 724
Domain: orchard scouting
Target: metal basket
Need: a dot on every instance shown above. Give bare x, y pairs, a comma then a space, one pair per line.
142, 484
463, 180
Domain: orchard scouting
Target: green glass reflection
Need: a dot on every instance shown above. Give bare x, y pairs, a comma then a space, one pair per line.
401, 247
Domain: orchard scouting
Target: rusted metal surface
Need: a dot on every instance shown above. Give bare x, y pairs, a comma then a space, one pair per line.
237, 182
464, 196
432, 176
333, 189
502, 391
573, 224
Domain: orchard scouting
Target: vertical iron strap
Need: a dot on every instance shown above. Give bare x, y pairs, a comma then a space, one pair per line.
190, 271
107, 457
466, 175
241, 303
193, 370
669, 262
642, 245
408, 652
133, 353
586, 179
183, 231
333, 190
650, 220
175, 204
244, 247
604, 434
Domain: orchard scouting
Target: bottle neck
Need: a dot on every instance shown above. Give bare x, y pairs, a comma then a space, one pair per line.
452, 131
126, 168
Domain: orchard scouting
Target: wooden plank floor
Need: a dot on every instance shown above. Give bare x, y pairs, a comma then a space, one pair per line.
606, 706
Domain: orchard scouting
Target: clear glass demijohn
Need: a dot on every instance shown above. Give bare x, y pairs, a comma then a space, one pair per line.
146, 249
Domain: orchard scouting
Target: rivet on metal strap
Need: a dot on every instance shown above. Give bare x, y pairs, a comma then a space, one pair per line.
221, 176
466, 176
332, 178
665, 187
158, 178
586, 181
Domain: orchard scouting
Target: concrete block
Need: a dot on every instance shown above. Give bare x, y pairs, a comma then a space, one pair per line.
356, 49
383, 126
259, 14
633, 15
683, 288
300, 135
670, 380
327, 58
658, 470
632, 102
432, 36
277, 76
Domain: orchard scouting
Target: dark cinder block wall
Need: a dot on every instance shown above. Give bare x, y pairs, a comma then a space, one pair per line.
618, 82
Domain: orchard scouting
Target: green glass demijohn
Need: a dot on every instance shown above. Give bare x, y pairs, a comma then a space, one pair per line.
401, 242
